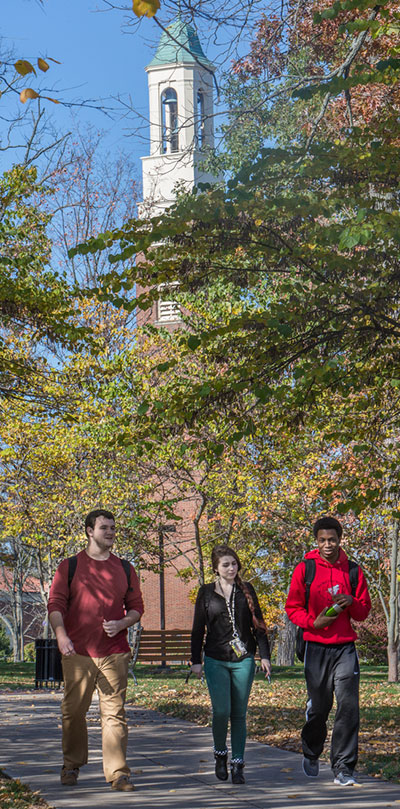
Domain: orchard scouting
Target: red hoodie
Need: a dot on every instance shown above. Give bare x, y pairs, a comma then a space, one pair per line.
327, 576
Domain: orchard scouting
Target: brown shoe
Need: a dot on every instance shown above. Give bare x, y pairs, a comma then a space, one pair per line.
122, 784
69, 778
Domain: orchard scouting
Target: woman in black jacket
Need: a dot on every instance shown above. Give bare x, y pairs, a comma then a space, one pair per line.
230, 611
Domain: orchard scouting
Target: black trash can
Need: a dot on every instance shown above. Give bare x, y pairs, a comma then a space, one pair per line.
48, 671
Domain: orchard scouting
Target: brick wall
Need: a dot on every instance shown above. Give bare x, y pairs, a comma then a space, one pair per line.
178, 550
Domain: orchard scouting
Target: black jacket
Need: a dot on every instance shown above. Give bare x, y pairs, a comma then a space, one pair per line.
219, 628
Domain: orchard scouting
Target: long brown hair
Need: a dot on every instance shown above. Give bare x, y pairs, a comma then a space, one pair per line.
225, 550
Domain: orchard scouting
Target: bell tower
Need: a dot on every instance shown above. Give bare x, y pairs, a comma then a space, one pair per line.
180, 79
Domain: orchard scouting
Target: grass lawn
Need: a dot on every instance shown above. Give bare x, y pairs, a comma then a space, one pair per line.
276, 710
17, 676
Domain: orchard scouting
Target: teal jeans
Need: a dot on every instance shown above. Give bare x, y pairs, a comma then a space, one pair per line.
229, 684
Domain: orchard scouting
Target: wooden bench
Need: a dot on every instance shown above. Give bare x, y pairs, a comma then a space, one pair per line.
159, 646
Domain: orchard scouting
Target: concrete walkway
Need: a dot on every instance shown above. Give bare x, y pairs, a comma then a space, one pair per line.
172, 766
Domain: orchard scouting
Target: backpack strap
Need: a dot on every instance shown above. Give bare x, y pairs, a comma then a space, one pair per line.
309, 575
72, 563
353, 576
127, 567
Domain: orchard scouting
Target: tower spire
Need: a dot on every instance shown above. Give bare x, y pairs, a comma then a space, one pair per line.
180, 80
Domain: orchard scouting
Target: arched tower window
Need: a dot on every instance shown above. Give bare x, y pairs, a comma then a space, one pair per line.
169, 112
200, 119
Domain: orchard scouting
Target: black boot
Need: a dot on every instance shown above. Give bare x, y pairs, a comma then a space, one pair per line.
221, 770
237, 772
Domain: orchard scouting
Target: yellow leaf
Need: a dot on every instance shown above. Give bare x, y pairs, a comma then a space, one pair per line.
54, 100
23, 67
42, 65
145, 8
27, 93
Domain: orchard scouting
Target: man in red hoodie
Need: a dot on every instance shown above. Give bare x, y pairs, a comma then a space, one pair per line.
90, 615
330, 664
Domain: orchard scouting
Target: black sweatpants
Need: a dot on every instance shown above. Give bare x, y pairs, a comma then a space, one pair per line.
332, 669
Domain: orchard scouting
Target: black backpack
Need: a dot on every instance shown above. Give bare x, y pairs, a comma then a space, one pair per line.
308, 579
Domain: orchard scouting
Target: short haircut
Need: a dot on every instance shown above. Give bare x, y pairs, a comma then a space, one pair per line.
327, 523
91, 518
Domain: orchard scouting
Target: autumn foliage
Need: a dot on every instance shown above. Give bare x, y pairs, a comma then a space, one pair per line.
293, 49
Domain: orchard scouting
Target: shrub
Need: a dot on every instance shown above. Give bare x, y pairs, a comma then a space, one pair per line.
5, 645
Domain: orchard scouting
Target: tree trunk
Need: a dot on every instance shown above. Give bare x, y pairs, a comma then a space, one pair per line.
19, 622
286, 643
393, 624
196, 525
393, 661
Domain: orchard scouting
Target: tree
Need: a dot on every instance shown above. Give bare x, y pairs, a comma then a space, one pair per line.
17, 566
305, 241
93, 191
268, 92
37, 308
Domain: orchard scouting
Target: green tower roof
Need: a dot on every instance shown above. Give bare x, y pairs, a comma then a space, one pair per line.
180, 44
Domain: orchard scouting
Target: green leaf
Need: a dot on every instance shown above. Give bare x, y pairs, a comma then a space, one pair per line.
143, 408
193, 342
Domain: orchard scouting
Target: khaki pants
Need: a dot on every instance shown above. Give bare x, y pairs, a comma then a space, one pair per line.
82, 675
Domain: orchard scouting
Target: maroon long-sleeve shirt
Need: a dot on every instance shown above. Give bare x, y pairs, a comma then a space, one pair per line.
98, 592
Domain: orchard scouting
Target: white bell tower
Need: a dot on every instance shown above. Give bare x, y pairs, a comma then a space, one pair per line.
181, 105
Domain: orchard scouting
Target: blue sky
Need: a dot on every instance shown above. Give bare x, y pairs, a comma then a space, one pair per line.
98, 60
101, 58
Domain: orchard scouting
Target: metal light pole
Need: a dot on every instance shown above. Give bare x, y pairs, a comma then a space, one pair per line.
163, 529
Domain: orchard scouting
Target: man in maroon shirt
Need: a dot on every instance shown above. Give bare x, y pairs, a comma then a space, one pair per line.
90, 618
330, 662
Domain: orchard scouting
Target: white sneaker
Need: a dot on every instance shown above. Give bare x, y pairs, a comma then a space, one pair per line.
344, 779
